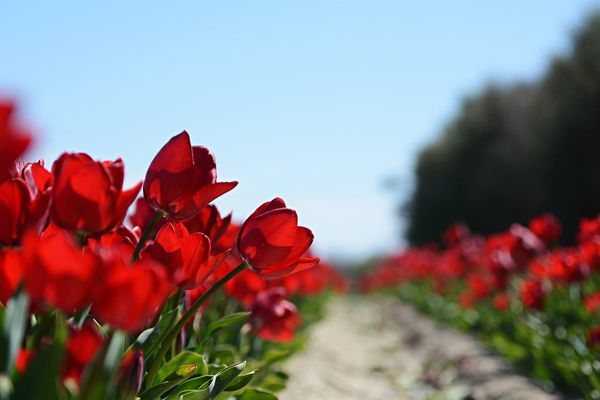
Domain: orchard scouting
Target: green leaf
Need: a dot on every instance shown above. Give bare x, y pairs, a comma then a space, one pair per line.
222, 379
39, 381
224, 354
181, 366
157, 390
150, 339
240, 381
13, 329
193, 384
195, 395
257, 394
227, 321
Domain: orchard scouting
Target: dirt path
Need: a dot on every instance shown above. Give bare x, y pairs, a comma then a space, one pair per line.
374, 349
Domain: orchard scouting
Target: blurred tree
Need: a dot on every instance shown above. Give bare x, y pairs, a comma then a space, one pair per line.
512, 153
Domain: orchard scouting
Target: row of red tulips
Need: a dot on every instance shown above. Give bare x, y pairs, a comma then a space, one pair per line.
534, 301
96, 304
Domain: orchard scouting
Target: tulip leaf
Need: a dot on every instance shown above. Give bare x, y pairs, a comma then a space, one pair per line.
13, 328
151, 339
257, 394
195, 395
240, 381
182, 365
223, 378
157, 390
193, 384
224, 354
227, 321
39, 381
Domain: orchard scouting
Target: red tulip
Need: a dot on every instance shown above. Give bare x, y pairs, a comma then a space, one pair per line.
13, 141
592, 303
23, 359
88, 195
546, 227
533, 294
593, 336
142, 216
273, 318
14, 209
131, 373
11, 273
81, 347
245, 286
58, 272
501, 302
128, 296
186, 256
182, 179
272, 242
210, 222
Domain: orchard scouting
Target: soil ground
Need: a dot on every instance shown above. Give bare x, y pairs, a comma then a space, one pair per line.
371, 348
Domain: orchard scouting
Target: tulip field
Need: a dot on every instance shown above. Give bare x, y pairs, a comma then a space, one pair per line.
533, 301
150, 292
106, 294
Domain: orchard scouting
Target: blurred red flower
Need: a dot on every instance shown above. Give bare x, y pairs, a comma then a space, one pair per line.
81, 347
58, 272
547, 227
533, 294
88, 195
273, 318
11, 273
501, 302
14, 140
128, 296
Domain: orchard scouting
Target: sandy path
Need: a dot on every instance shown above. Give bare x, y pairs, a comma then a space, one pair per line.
374, 349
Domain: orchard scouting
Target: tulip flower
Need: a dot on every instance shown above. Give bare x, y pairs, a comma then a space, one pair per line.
210, 222
273, 318
182, 179
143, 215
533, 294
547, 227
186, 256
81, 347
128, 296
13, 140
88, 195
58, 272
272, 242
246, 286
14, 208
11, 273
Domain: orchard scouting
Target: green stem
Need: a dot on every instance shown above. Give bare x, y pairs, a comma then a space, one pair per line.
189, 314
157, 216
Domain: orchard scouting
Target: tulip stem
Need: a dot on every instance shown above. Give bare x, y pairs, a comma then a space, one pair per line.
157, 216
189, 314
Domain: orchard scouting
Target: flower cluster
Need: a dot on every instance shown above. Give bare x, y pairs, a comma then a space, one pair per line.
518, 286
81, 275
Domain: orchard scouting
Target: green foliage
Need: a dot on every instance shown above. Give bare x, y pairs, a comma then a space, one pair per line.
515, 152
550, 346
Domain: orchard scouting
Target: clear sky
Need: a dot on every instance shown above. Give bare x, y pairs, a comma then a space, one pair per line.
318, 102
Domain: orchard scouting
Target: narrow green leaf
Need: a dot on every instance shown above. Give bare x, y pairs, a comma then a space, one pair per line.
13, 329
227, 321
223, 378
179, 365
257, 394
193, 384
240, 381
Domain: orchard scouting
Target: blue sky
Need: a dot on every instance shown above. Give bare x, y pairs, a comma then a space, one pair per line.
316, 101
